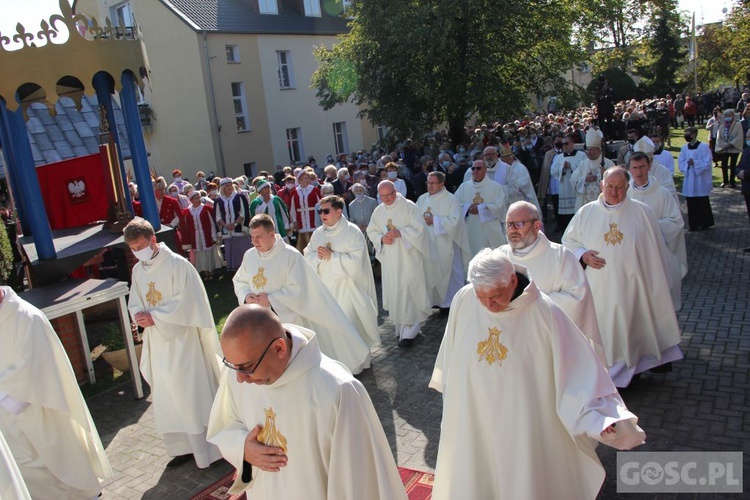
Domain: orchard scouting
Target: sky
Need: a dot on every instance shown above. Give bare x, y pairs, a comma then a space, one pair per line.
31, 12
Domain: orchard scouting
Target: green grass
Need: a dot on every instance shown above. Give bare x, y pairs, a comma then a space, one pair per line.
678, 140
221, 297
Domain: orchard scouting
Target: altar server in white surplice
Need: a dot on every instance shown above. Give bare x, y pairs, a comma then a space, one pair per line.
397, 231
646, 189
524, 397
43, 416
180, 344
275, 275
483, 204
293, 422
338, 253
628, 268
12, 484
446, 231
554, 269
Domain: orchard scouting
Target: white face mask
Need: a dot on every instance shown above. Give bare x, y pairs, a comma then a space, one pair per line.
392, 175
290, 185
360, 196
144, 254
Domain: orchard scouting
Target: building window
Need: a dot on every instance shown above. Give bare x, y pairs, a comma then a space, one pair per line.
312, 8
268, 6
346, 4
294, 144
286, 74
122, 15
382, 133
340, 138
233, 54
240, 107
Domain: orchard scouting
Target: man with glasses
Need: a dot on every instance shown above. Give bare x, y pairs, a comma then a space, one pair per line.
628, 266
554, 269
275, 275
562, 169
294, 422
397, 231
338, 253
483, 205
180, 344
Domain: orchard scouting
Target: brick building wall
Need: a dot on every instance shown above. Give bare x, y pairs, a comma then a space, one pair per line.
67, 331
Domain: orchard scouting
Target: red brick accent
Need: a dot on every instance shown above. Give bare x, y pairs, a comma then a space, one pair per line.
67, 330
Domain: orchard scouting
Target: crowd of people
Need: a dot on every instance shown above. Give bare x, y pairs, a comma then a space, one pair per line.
551, 330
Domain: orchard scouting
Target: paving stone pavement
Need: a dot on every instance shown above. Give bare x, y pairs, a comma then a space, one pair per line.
702, 405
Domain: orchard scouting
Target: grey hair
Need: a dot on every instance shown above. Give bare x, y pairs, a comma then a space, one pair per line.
490, 268
326, 189
530, 207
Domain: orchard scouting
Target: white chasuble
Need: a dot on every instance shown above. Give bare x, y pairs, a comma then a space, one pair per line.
43, 415
322, 416
447, 236
632, 297
586, 191
12, 485
484, 229
524, 399
348, 275
520, 187
559, 275
405, 294
297, 295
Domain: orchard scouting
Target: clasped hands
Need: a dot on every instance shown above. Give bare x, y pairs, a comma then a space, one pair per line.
474, 209
257, 298
390, 236
143, 319
324, 253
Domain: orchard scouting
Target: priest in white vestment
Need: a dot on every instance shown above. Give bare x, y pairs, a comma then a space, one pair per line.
397, 232
497, 170
646, 189
628, 263
519, 185
294, 422
275, 275
444, 221
483, 204
12, 484
338, 253
181, 352
587, 178
562, 169
43, 416
661, 155
553, 268
525, 398
658, 171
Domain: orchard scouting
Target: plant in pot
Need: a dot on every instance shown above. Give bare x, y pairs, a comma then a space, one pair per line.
116, 354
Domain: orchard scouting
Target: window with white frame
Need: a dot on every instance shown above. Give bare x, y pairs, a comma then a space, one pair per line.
340, 138
233, 54
312, 8
268, 6
294, 144
346, 4
240, 107
382, 133
286, 73
122, 15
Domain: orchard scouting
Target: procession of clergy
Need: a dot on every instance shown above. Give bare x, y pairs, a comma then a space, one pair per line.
534, 349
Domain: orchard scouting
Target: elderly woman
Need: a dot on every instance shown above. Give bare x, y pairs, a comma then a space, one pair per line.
729, 142
232, 216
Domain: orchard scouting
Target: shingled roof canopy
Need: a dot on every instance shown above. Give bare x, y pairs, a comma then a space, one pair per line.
243, 16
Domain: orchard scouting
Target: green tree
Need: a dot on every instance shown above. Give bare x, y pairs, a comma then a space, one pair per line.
416, 64
623, 86
713, 66
6, 255
661, 51
734, 37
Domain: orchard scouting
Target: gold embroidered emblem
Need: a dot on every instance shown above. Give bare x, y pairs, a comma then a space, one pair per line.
491, 349
478, 200
390, 225
259, 281
270, 435
153, 296
614, 236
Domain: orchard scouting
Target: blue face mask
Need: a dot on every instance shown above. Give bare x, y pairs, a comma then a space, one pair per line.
747, 142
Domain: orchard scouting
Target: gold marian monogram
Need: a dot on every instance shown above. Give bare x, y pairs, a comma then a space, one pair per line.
478, 200
390, 225
269, 435
153, 296
614, 236
491, 349
259, 281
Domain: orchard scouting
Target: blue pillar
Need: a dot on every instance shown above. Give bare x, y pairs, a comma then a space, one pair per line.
10, 171
103, 88
138, 150
27, 181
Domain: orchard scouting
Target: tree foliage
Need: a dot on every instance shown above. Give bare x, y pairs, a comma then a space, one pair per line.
660, 53
734, 38
415, 64
6, 255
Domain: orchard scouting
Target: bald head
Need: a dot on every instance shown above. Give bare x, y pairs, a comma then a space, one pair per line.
616, 173
252, 322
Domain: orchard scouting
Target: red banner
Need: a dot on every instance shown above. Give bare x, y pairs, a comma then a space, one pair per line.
74, 191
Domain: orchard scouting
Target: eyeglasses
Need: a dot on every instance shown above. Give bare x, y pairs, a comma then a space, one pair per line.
324, 211
477, 168
518, 224
238, 368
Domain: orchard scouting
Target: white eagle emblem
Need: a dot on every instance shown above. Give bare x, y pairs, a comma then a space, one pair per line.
77, 188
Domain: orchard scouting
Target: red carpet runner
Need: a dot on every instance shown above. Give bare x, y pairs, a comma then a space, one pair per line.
418, 486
